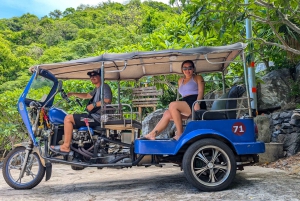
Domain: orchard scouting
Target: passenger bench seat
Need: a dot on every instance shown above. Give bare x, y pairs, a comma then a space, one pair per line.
235, 92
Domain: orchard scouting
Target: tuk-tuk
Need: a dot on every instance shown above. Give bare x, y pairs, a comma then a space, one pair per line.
215, 142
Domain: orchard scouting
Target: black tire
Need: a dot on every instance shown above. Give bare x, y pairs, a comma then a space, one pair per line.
76, 168
209, 165
12, 166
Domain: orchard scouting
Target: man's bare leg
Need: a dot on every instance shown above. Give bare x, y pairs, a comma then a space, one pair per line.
68, 129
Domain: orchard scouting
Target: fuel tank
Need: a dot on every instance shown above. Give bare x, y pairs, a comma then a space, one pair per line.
57, 116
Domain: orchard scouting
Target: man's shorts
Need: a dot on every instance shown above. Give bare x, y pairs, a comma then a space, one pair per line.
78, 118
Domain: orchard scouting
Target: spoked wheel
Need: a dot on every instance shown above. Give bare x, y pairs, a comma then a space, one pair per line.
12, 165
209, 165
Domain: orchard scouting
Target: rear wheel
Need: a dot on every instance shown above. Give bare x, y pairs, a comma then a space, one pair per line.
209, 165
12, 165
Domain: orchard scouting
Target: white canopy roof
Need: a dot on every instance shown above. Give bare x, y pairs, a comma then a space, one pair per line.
139, 64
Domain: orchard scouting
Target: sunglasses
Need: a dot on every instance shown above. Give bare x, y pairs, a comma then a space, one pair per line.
92, 75
187, 68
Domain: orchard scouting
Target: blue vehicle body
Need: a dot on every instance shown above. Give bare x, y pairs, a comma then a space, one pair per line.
57, 116
219, 129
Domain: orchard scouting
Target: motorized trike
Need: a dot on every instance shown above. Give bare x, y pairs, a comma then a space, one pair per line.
214, 145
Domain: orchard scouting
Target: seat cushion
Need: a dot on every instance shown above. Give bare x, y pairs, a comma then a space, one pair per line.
220, 104
235, 92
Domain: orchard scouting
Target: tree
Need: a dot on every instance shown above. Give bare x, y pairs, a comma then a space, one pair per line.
68, 11
8, 61
215, 17
282, 18
58, 31
14, 24
56, 14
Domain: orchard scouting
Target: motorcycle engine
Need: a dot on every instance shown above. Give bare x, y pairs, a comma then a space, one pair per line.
82, 137
107, 150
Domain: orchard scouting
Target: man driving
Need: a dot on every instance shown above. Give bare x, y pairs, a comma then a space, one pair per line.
93, 108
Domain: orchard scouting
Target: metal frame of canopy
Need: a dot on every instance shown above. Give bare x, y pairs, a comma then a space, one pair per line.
151, 63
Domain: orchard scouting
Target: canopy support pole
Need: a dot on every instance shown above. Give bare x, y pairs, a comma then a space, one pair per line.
251, 66
102, 93
223, 82
247, 84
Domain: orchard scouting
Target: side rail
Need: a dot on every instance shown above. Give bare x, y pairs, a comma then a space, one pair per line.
116, 112
238, 108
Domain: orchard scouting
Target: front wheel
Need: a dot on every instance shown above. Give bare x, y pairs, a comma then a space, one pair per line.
209, 165
12, 165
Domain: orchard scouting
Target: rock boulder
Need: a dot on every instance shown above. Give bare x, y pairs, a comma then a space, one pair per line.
274, 91
151, 121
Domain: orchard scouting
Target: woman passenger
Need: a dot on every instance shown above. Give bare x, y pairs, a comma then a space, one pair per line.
191, 88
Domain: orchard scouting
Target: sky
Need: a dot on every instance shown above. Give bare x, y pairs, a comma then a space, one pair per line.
40, 8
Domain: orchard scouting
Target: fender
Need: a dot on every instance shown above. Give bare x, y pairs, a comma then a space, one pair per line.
195, 133
34, 150
239, 147
171, 147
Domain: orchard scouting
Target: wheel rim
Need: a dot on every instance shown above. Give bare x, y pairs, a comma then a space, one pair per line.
15, 165
210, 165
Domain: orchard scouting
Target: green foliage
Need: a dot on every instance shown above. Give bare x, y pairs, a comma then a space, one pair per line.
135, 26
225, 20
295, 89
19, 83
167, 98
12, 128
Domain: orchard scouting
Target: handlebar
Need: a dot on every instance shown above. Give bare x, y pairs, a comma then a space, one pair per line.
78, 102
64, 95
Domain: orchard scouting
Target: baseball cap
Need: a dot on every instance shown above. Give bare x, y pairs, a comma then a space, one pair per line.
94, 72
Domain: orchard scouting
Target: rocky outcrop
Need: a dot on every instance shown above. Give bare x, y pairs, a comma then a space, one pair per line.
286, 129
150, 122
263, 128
274, 91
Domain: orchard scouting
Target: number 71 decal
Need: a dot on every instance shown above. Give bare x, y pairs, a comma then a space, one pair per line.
238, 128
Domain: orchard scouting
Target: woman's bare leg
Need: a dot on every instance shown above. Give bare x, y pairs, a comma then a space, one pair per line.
160, 126
177, 109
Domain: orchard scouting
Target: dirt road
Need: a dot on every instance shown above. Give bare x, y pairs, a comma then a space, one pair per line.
152, 183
